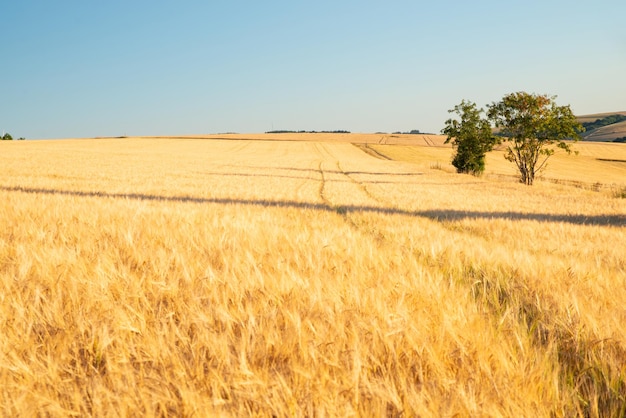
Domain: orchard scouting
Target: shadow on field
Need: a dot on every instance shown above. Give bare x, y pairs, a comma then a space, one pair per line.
457, 215
441, 215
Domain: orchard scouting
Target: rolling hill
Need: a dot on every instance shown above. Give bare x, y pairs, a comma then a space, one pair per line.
608, 127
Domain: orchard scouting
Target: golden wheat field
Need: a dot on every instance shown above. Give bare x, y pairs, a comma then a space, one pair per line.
197, 277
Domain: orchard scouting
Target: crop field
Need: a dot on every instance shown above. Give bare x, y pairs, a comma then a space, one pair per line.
232, 277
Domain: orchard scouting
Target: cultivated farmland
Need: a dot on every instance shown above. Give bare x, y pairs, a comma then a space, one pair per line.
232, 277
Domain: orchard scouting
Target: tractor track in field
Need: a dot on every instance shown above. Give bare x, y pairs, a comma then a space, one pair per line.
359, 184
338, 170
322, 186
366, 148
322, 153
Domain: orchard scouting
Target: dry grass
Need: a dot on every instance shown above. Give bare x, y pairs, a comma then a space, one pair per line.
203, 277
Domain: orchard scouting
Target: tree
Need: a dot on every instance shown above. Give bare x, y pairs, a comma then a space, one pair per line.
534, 126
471, 136
6, 137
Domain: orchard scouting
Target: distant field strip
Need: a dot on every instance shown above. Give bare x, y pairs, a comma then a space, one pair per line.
231, 277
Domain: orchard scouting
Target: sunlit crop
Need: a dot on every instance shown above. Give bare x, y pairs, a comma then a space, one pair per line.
196, 277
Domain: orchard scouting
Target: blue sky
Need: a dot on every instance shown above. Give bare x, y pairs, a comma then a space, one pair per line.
87, 68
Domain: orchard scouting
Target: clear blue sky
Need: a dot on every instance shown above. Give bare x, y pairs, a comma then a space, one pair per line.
134, 67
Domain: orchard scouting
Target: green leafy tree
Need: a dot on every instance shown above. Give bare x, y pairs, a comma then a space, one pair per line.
535, 126
472, 137
6, 137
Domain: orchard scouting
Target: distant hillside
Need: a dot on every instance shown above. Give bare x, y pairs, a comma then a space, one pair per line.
605, 127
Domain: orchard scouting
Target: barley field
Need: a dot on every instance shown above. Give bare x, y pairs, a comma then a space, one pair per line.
207, 277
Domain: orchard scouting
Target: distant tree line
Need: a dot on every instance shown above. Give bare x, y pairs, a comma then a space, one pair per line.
411, 132
8, 137
608, 120
282, 131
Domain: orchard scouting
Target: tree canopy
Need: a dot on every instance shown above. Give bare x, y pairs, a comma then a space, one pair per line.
534, 126
472, 137
8, 137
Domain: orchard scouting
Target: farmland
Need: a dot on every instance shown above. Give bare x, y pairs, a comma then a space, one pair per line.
306, 276
614, 129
